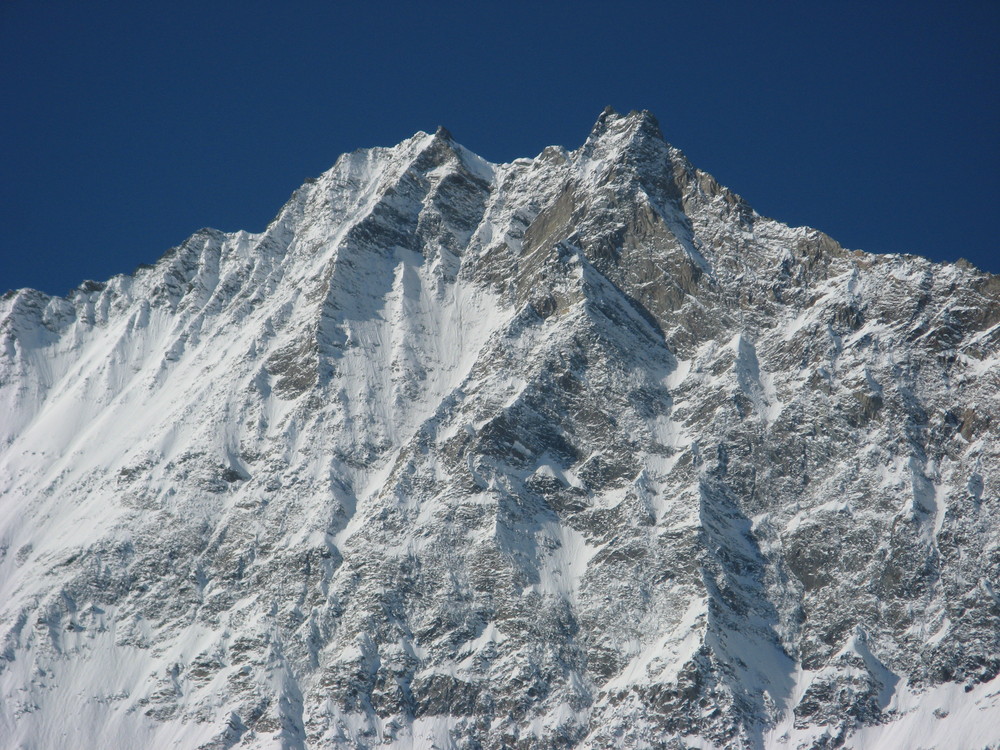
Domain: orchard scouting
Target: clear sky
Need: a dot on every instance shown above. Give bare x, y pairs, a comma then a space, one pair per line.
129, 125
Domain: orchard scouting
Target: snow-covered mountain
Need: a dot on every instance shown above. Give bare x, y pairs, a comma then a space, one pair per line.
573, 452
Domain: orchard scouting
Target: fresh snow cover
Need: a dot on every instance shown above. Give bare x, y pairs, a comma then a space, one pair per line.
575, 451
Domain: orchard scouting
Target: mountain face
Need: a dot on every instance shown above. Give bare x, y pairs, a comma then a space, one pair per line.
573, 452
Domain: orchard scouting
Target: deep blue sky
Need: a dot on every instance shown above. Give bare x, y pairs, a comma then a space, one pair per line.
127, 126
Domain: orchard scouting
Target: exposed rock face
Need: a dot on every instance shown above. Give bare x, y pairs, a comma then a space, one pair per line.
576, 451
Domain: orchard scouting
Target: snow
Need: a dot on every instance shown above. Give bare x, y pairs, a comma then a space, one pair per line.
946, 715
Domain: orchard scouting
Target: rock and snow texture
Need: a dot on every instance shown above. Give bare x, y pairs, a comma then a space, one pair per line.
573, 452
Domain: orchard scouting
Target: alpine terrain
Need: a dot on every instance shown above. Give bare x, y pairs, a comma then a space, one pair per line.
573, 452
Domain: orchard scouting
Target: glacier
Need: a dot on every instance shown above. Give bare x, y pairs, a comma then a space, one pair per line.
577, 451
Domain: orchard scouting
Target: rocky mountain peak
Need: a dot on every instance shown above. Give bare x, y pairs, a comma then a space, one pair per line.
634, 138
575, 451
635, 121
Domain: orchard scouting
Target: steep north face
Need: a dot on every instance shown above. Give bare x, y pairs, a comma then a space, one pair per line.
573, 452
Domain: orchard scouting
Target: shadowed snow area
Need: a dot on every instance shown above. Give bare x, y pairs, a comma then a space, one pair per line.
573, 452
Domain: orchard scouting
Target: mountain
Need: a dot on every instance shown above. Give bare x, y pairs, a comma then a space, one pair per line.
573, 452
